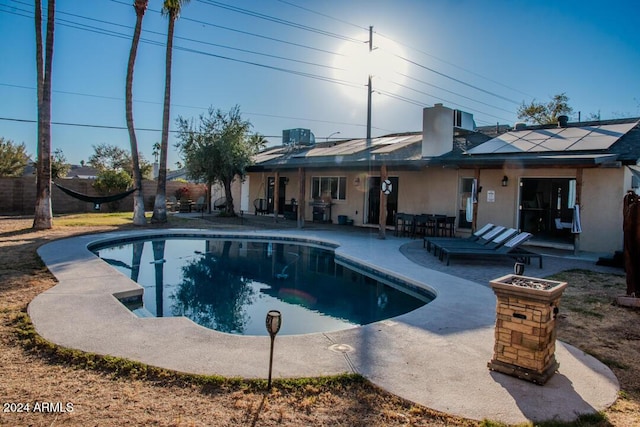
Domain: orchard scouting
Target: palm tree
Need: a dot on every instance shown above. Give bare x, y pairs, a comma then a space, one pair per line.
42, 218
140, 7
171, 8
258, 141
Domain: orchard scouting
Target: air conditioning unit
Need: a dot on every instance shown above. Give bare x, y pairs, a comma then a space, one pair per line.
298, 136
463, 120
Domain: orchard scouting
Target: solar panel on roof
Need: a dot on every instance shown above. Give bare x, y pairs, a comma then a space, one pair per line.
401, 143
557, 144
555, 139
522, 145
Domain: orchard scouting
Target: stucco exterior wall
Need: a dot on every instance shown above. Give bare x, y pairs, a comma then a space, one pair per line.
436, 191
601, 210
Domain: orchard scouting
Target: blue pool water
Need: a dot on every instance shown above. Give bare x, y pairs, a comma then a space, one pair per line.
230, 285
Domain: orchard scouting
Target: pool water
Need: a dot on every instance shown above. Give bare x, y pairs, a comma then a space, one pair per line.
230, 285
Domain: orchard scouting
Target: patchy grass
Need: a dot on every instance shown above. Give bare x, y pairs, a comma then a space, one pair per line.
95, 219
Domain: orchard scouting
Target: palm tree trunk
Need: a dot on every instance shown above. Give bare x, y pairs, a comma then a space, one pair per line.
138, 198
43, 213
160, 205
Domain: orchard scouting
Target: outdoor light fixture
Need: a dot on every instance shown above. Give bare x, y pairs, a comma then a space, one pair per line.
505, 180
273, 323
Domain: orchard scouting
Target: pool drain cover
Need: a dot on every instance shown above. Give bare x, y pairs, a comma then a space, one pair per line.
341, 348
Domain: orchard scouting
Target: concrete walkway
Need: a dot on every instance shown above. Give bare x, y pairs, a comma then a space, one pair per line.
435, 356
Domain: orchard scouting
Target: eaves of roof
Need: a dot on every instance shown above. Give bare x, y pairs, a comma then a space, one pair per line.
520, 160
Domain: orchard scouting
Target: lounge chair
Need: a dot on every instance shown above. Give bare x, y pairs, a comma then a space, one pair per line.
482, 243
482, 240
428, 241
510, 248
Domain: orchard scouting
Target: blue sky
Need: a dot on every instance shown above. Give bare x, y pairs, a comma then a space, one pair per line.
277, 60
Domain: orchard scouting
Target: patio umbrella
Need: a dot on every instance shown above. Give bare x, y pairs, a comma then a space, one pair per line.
576, 227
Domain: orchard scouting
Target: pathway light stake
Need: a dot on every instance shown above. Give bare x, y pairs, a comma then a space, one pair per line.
273, 323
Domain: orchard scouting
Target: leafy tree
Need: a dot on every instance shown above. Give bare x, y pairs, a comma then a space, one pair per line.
140, 7
111, 157
170, 8
13, 158
43, 215
59, 166
544, 114
218, 149
213, 294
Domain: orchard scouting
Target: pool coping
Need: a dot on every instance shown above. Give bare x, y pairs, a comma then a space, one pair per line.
436, 355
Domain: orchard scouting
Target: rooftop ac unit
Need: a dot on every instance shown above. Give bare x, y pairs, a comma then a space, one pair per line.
463, 121
298, 137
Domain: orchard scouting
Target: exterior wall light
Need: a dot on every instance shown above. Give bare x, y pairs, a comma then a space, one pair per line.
505, 180
273, 323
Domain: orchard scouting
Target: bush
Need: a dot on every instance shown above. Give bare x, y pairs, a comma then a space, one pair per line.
112, 182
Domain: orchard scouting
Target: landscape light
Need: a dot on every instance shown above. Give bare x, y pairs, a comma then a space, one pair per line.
273, 323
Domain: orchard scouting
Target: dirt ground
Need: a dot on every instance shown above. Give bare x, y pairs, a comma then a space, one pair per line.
589, 320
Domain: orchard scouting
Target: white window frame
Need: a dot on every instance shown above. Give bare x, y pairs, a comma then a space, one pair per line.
324, 185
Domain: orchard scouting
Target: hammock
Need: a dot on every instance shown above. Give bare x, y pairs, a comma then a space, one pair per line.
96, 200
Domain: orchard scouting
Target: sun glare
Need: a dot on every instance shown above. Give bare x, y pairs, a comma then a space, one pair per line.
354, 63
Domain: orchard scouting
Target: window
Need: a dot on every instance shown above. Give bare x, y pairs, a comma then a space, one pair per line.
329, 186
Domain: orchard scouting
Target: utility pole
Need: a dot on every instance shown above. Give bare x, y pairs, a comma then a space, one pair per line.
369, 90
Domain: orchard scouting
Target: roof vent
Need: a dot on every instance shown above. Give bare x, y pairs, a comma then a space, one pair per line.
562, 121
520, 125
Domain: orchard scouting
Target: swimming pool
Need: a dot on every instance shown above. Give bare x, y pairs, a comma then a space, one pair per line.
230, 284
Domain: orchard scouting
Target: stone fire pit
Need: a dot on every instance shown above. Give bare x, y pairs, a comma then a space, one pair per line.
525, 334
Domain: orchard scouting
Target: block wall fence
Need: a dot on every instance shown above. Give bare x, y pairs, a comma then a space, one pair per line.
18, 196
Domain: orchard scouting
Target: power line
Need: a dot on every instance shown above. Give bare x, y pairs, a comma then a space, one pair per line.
94, 29
453, 102
324, 15
456, 66
96, 126
283, 58
278, 20
86, 27
407, 46
235, 30
453, 78
249, 113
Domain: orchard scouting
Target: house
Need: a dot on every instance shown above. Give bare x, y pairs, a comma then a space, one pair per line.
82, 172
526, 177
